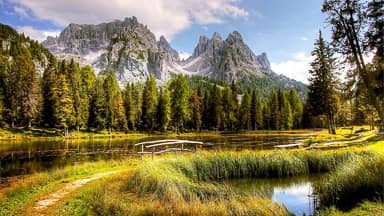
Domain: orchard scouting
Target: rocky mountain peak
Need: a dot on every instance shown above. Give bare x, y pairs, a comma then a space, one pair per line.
216, 36
201, 46
262, 59
166, 47
235, 36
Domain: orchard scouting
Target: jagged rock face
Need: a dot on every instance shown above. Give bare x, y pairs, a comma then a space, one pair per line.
131, 50
127, 47
229, 60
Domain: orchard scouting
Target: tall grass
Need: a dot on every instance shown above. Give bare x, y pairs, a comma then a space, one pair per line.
110, 197
358, 180
190, 177
23, 192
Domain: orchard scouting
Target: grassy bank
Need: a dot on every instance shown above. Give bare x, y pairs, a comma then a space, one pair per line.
14, 199
112, 197
365, 208
55, 134
191, 184
358, 180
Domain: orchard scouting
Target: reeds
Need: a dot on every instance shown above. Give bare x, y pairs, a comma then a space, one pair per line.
358, 180
191, 177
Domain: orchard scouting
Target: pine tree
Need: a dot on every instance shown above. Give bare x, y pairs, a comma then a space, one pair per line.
149, 104
137, 101
214, 108
164, 110
322, 95
180, 94
196, 107
97, 116
64, 114
88, 81
229, 109
114, 110
274, 111
297, 108
349, 19
130, 107
50, 97
245, 112
286, 118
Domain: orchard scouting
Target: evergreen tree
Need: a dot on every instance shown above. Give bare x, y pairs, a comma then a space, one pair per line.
322, 95
149, 104
297, 108
229, 109
50, 97
137, 101
97, 116
286, 118
349, 19
88, 82
130, 107
214, 109
196, 107
180, 94
266, 117
274, 111
114, 110
245, 112
164, 110
64, 114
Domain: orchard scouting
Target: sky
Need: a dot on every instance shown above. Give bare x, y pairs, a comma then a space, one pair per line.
284, 29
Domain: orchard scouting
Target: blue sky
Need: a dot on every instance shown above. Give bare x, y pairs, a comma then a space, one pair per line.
284, 29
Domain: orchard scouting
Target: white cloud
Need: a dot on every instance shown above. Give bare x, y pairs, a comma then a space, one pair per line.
296, 68
37, 34
163, 17
304, 38
22, 12
184, 55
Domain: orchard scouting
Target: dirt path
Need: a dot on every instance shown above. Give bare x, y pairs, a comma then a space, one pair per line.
51, 199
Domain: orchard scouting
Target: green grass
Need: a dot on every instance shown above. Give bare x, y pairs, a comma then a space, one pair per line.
358, 180
13, 200
111, 196
365, 208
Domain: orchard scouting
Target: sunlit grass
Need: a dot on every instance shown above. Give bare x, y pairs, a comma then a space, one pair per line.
13, 199
355, 181
365, 208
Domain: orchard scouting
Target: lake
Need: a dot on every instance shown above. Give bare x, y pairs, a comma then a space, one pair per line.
25, 157
295, 193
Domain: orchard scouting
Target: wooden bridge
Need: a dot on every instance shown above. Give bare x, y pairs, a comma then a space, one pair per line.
165, 146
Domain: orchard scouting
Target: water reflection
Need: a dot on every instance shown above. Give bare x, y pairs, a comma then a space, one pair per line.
296, 193
24, 157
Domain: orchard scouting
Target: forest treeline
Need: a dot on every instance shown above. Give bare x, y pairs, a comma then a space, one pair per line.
67, 96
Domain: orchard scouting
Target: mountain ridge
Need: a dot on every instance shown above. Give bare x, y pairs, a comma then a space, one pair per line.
131, 50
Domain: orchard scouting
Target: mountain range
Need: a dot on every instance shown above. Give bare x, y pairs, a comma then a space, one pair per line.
131, 50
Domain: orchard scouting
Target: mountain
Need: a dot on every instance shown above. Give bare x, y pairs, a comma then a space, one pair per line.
131, 50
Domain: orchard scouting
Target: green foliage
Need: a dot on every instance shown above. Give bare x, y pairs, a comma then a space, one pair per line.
149, 104
296, 107
180, 94
229, 109
196, 109
114, 110
360, 179
164, 110
64, 114
130, 106
245, 112
322, 96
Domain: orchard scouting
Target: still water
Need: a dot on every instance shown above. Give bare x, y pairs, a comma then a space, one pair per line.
25, 157
295, 193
